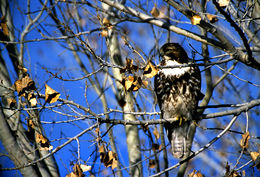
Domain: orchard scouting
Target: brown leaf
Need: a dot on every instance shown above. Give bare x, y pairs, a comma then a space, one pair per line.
98, 139
152, 163
85, 168
195, 173
24, 84
30, 124
4, 26
101, 149
244, 141
97, 131
112, 160
30, 130
130, 66
104, 33
51, 96
28, 83
129, 82
23, 69
150, 70
223, 3
77, 170
44, 143
192, 173
195, 20
156, 133
18, 86
72, 174
11, 102
254, 155
102, 153
32, 99
256, 158
106, 22
155, 12
132, 83
212, 18
108, 158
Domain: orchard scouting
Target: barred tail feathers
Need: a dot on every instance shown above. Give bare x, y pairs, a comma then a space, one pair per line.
180, 138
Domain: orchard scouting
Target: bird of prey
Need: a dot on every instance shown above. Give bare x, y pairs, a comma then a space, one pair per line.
178, 93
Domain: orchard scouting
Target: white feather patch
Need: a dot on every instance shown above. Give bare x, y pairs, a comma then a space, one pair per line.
174, 71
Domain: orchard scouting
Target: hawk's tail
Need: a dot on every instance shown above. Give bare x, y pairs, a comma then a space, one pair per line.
180, 137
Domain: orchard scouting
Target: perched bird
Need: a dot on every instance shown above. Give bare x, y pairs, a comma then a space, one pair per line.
178, 93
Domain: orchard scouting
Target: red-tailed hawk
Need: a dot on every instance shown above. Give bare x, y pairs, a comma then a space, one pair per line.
178, 94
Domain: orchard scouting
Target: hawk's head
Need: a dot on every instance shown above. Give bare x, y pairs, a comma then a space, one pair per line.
174, 52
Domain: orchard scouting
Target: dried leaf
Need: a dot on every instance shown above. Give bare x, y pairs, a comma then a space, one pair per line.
30, 124
130, 66
98, 139
195, 173
101, 149
97, 131
254, 155
23, 69
195, 20
4, 26
150, 70
132, 83
223, 3
85, 168
51, 95
156, 133
32, 99
244, 141
108, 158
192, 173
72, 174
155, 12
44, 143
212, 18
24, 84
102, 153
11, 102
152, 163
33, 102
28, 83
129, 82
113, 162
256, 158
106, 22
104, 33
18, 86
77, 170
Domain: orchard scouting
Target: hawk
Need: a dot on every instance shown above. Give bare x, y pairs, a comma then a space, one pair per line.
178, 94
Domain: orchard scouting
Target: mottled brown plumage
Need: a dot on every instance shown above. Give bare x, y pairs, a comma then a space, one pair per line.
178, 94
